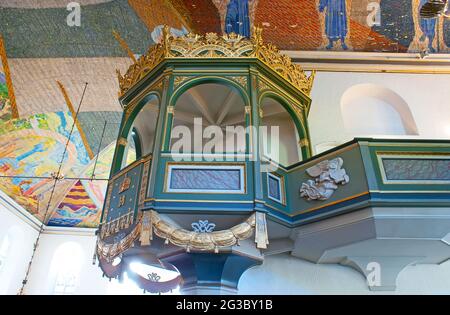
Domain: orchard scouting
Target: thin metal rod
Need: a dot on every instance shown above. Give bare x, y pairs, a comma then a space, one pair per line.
49, 177
98, 151
56, 178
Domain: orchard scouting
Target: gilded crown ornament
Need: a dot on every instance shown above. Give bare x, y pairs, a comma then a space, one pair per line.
212, 45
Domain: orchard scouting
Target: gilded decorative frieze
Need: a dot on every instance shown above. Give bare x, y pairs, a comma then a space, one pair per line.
212, 45
179, 80
241, 80
263, 86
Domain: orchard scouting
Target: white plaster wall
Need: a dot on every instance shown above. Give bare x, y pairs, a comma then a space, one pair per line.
279, 274
285, 274
42, 278
427, 96
23, 232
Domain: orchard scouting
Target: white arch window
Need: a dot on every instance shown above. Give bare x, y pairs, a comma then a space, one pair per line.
374, 110
66, 267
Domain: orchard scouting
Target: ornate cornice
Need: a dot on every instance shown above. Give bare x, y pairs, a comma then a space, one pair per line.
212, 45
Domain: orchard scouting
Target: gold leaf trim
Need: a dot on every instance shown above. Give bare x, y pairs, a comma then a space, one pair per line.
211, 45
241, 80
179, 80
203, 241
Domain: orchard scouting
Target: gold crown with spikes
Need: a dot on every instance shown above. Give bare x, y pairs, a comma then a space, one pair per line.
212, 45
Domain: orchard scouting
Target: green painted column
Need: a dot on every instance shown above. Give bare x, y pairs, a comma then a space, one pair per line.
257, 178
162, 131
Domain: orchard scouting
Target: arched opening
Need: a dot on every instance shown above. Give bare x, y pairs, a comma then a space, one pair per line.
141, 138
373, 110
279, 137
65, 268
209, 118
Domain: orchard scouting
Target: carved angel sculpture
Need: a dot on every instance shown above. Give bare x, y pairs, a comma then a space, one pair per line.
327, 175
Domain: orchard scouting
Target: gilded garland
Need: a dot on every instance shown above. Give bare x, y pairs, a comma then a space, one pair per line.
211, 45
150, 222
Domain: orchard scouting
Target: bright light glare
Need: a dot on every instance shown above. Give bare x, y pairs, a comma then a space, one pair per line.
144, 270
116, 261
129, 287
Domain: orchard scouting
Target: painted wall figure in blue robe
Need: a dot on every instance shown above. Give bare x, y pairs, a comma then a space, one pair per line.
428, 27
335, 21
237, 19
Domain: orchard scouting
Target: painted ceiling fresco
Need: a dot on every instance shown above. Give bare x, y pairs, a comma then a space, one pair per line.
5, 104
336, 25
32, 149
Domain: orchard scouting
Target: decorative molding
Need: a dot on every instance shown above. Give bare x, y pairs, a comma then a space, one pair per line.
211, 45
417, 168
180, 79
371, 62
241, 80
304, 142
157, 86
144, 183
170, 109
203, 241
197, 173
125, 185
203, 226
263, 85
261, 234
150, 222
110, 250
327, 175
122, 141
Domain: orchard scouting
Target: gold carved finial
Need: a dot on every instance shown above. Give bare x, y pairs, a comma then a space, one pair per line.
257, 37
166, 40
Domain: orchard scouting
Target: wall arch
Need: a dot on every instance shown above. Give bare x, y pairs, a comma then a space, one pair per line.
280, 99
208, 106
374, 110
276, 112
209, 79
152, 99
127, 125
65, 268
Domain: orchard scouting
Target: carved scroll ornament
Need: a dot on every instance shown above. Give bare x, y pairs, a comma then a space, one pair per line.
327, 177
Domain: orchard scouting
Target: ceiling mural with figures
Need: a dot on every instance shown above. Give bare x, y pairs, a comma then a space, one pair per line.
335, 25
